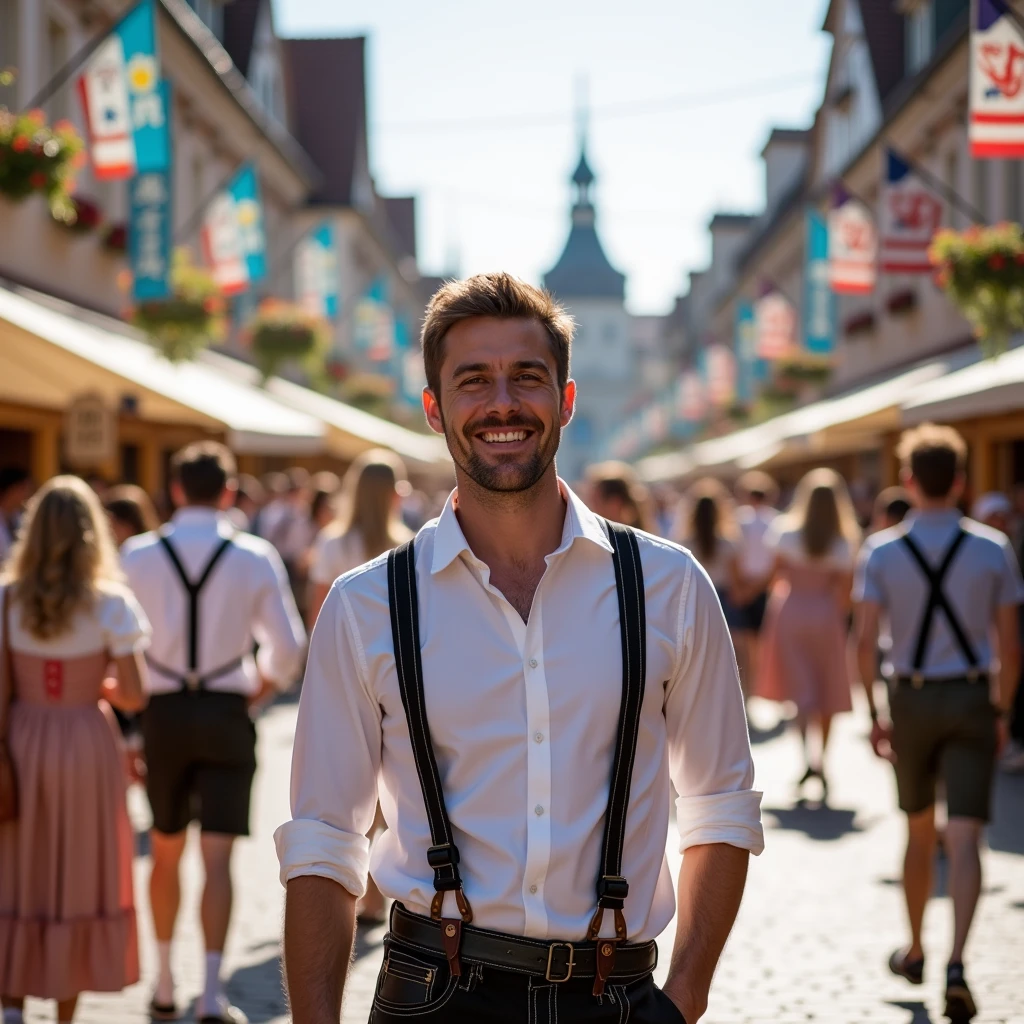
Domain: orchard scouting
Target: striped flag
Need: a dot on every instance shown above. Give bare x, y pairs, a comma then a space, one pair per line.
911, 214
852, 245
775, 323
224, 246
997, 82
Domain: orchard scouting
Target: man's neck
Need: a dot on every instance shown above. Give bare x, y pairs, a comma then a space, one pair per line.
934, 505
519, 528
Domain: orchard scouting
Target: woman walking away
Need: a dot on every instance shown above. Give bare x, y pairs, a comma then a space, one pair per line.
368, 525
803, 647
67, 918
711, 534
131, 512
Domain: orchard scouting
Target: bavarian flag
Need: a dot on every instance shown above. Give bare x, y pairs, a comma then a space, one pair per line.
997, 82
126, 106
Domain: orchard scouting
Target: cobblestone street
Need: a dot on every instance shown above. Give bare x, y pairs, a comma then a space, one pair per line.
823, 906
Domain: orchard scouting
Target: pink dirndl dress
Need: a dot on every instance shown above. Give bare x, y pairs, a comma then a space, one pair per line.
67, 915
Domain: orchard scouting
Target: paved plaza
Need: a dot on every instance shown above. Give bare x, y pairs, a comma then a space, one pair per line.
823, 906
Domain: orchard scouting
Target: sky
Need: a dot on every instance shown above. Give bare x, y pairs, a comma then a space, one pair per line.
474, 108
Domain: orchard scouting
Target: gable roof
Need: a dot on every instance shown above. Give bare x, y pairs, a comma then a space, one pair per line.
884, 33
328, 111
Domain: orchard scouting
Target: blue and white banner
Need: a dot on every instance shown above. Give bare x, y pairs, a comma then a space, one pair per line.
127, 107
244, 189
223, 247
996, 92
316, 272
819, 319
375, 323
149, 241
751, 370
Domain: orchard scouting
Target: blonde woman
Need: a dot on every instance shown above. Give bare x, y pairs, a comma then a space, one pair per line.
804, 644
368, 524
67, 918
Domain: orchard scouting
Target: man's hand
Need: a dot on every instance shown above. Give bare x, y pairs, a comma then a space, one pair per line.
881, 740
263, 696
692, 1009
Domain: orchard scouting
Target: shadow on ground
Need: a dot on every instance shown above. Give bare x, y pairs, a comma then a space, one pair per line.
1006, 833
816, 821
919, 1012
766, 735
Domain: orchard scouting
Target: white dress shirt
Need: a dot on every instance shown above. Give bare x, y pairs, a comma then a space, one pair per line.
336, 554
247, 598
756, 554
523, 718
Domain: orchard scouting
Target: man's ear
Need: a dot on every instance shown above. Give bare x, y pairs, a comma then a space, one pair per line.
568, 402
432, 410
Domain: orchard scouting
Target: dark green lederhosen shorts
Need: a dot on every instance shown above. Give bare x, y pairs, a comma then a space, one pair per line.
200, 750
944, 729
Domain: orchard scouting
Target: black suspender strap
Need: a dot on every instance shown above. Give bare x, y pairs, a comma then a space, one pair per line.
191, 680
612, 887
936, 600
443, 855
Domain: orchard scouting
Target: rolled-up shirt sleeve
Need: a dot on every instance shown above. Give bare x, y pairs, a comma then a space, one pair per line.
278, 626
709, 750
336, 758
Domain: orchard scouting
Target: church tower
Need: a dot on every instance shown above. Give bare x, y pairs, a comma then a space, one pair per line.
593, 291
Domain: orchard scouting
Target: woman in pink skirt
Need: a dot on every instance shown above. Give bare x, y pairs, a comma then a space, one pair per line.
67, 917
804, 638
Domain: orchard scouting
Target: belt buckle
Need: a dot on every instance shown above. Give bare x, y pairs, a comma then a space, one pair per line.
568, 967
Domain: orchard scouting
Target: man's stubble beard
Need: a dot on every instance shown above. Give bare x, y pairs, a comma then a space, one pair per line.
498, 479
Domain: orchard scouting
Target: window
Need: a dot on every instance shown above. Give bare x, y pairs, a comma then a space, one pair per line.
9, 50
1012, 180
979, 186
920, 35
56, 57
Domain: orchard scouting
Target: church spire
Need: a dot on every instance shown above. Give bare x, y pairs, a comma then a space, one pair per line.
583, 176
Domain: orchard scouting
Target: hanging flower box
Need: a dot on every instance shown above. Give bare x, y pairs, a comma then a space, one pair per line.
283, 331
190, 318
902, 302
859, 323
115, 237
981, 270
36, 157
87, 215
791, 374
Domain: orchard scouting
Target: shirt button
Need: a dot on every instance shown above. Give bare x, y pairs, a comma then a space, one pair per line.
538, 737
533, 889
533, 663
538, 810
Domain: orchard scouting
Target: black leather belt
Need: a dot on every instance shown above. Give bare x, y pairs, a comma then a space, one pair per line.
917, 681
553, 961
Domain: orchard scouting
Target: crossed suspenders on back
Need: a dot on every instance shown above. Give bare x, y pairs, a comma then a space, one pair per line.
938, 600
192, 680
443, 855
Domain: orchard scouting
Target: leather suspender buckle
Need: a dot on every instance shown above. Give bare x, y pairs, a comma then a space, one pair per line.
192, 681
916, 680
612, 887
569, 965
444, 856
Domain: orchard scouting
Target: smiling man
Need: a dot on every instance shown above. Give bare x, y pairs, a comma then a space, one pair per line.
518, 687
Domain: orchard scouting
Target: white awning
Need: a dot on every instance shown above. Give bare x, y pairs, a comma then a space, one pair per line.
190, 392
987, 388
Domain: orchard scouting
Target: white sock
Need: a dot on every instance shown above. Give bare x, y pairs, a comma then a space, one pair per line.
212, 992
164, 993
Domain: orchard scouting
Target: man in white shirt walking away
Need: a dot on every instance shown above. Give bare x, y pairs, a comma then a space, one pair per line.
756, 495
518, 685
211, 593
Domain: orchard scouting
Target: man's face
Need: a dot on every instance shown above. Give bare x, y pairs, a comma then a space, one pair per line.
499, 406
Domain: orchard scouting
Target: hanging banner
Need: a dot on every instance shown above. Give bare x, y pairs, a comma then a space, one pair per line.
996, 93
720, 374
911, 214
852, 246
751, 369
149, 236
316, 272
223, 247
819, 319
375, 323
245, 192
775, 324
691, 404
127, 107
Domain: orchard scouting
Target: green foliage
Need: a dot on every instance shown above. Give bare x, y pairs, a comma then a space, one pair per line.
283, 331
981, 270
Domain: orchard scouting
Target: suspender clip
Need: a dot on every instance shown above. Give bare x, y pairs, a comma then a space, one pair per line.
612, 889
916, 680
444, 856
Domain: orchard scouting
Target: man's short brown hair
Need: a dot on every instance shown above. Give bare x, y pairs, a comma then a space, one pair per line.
497, 295
203, 469
934, 456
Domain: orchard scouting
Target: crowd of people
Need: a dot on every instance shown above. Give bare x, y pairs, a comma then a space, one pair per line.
110, 665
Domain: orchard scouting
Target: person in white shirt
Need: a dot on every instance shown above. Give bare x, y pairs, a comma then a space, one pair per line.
757, 493
210, 593
553, 674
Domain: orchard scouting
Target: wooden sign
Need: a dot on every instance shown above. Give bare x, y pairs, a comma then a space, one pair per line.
90, 432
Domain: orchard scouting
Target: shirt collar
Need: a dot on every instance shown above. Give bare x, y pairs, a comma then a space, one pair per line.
196, 515
580, 523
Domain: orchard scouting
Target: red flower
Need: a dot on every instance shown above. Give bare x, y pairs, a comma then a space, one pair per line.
37, 179
20, 143
1019, 260
996, 261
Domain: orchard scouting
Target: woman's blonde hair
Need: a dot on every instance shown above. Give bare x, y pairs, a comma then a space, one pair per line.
368, 501
64, 553
823, 512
